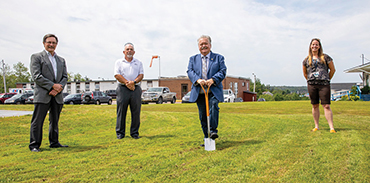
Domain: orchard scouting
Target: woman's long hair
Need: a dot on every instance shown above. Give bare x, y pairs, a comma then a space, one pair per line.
321, 52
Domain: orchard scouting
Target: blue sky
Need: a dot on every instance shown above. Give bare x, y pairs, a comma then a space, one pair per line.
268, 38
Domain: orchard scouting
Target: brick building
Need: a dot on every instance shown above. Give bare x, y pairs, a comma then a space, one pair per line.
182, 85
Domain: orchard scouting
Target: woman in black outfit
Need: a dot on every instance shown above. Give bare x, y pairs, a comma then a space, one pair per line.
318, 69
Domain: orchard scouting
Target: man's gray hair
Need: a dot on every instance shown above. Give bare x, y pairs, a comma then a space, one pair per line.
124, 46
205, 36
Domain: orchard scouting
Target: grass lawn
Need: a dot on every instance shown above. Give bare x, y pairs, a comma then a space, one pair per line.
259, 142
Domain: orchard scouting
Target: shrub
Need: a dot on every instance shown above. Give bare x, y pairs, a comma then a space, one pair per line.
355, 98
365, 90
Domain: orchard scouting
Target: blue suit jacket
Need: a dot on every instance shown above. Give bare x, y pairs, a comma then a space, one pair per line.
216, 71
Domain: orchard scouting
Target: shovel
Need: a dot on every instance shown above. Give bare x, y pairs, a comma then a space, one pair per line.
209, 144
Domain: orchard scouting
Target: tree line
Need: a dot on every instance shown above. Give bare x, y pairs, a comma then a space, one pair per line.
279, 93
20, 74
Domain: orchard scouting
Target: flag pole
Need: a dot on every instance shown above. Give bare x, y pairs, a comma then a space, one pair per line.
159, 60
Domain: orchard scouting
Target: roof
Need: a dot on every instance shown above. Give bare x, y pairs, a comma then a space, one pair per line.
361, 68
249, 92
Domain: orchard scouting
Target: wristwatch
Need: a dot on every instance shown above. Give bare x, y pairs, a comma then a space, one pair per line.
134, 82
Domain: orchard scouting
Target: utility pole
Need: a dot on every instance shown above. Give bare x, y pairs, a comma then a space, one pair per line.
254, 86
363, 73
3, 63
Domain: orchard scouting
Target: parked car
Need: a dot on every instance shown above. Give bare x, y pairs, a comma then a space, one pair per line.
96, 97
29, 100
18, 99
65, 94
111, 93
229, 96
5, 96
261, 100
186, 98
158, 95
73, 99
239, 99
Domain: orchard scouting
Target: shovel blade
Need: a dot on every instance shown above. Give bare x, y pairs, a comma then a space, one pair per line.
209, 144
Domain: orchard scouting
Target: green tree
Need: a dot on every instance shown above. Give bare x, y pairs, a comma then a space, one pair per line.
77, 77
267, 97
259, 87
278, 97
21, 73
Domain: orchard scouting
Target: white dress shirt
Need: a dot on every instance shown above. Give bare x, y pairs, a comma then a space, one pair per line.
53, 62
129, 70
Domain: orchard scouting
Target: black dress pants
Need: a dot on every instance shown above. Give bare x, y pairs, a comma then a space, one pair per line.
125, 98
37, 123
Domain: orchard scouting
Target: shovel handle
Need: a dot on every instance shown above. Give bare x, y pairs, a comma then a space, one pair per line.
206, 96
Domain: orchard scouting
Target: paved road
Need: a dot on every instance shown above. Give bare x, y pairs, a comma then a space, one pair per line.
8, 113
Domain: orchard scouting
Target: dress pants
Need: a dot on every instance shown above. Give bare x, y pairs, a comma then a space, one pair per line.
213, 113
125, 98
37, 123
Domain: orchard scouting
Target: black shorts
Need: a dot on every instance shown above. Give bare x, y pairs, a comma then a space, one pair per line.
319, 92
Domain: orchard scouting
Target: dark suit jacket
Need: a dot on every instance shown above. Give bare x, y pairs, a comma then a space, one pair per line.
216, 71
43, 74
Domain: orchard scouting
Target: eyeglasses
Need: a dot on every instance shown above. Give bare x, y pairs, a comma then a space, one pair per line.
49, 42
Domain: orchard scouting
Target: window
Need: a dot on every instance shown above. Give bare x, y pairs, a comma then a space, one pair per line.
69, 87
87, 86
78, 88
97, 86
149, 84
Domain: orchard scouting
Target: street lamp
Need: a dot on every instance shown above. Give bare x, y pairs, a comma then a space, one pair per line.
4, 75
254, 87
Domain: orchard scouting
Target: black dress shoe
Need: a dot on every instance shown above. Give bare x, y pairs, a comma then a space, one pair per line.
35, 150
214, 136
135, 137
120, 137
201, 145
57, 146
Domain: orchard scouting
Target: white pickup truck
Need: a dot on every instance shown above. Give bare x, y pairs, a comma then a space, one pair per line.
229, 96
158, 95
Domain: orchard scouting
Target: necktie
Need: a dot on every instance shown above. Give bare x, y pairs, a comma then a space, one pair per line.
204, 67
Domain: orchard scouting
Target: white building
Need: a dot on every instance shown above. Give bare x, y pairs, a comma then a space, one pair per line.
73, 87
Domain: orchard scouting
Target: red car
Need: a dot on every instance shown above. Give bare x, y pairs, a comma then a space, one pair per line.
5, 96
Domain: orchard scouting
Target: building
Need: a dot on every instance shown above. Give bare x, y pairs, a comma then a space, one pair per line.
180, 85
364, 69
93, 85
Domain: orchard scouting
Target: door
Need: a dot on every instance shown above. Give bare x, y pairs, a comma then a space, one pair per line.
184, 89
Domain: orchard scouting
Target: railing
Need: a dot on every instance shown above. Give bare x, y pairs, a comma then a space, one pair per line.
338, 95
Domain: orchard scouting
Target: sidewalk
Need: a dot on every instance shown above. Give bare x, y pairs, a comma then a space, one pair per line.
8, 113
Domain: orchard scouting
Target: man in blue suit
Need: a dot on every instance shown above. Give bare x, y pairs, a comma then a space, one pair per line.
207, 69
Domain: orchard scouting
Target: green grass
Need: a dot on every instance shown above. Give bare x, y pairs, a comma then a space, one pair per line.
259, 142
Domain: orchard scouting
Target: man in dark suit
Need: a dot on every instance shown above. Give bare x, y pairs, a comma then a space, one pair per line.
207, 69
49, 72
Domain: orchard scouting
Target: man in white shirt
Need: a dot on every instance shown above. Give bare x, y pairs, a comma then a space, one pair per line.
128, 72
